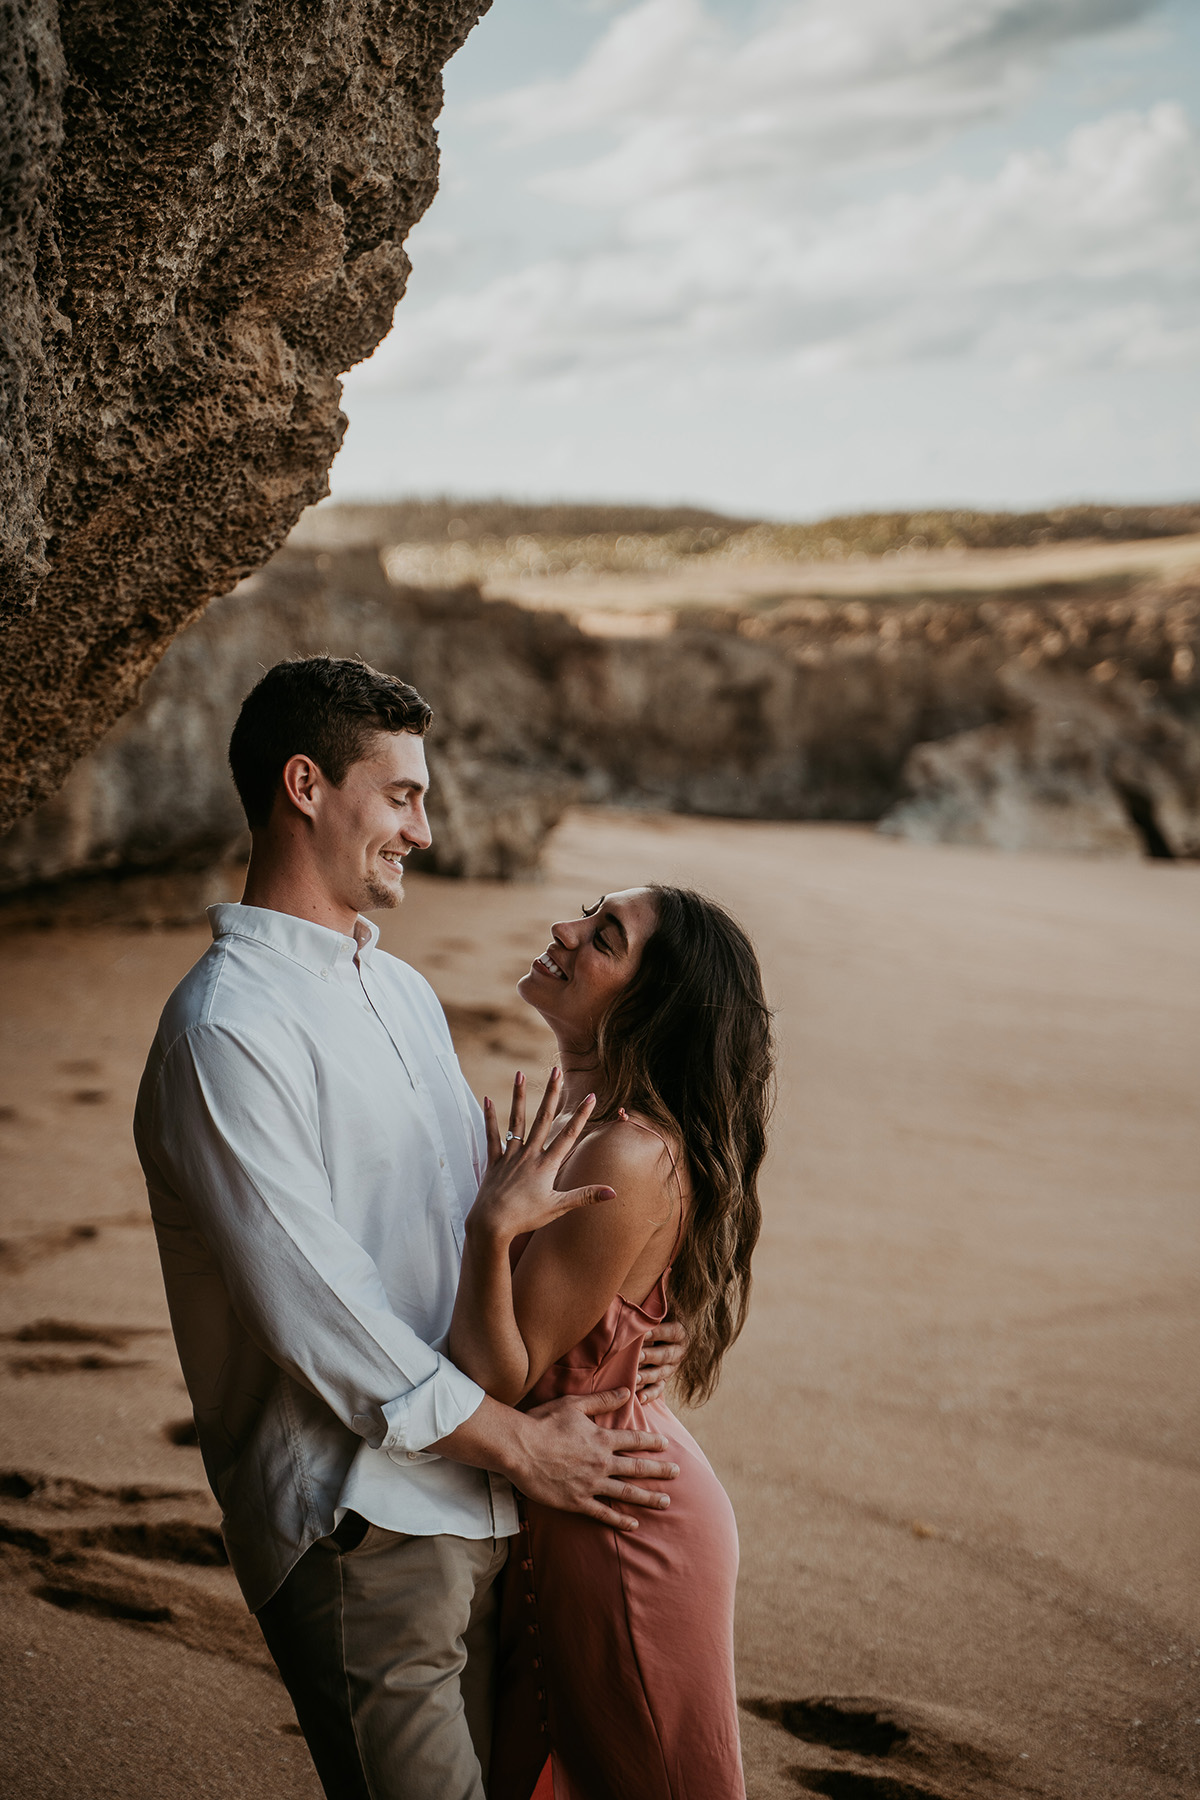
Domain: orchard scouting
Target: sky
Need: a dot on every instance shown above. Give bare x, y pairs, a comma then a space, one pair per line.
796, 257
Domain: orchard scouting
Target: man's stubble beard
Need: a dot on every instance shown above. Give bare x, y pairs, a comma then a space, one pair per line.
376, 896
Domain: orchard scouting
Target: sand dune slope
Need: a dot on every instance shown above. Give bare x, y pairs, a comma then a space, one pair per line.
960, 1431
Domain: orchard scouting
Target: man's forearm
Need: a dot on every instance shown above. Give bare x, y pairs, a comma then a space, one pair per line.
495, 1437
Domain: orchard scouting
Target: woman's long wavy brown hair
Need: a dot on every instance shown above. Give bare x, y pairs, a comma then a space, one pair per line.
688, 1044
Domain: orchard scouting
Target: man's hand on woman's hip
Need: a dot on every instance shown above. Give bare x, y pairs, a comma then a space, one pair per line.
557, 1455
579, 1466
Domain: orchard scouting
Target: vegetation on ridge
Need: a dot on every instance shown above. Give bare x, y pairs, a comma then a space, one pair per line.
447, 542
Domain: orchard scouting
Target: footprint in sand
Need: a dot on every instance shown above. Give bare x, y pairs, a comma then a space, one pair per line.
66, 1331
838, 1724
845, 1784
503, 1033
867, 1730
102, 1606
148, 1596
118, 1554
18, 1253
89, 1361
62, 1493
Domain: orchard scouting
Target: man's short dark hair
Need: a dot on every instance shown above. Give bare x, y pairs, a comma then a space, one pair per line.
324, 707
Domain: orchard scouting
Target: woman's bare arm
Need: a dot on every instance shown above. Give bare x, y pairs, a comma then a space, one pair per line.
510, 1326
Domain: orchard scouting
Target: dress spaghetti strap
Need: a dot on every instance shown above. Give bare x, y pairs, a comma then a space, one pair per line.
637, 1123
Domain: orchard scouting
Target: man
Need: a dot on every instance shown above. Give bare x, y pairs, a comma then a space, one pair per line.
311, 1151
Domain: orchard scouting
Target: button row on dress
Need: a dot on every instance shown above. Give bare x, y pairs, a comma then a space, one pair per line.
526, 1566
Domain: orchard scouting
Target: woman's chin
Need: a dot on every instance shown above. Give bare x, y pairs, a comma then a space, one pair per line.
527, 988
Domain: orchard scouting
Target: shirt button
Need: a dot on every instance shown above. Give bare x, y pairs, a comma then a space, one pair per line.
412, 1455
441, 1162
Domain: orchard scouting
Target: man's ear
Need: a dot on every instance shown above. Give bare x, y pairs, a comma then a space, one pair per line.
299, 783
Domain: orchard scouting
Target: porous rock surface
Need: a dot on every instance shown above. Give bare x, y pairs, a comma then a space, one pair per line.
156, 794
204, 211
1048, 721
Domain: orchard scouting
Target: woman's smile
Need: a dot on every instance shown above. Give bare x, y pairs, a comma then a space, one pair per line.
545, 965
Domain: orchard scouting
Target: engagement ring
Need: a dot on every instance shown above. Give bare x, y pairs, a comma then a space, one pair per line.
514, 1137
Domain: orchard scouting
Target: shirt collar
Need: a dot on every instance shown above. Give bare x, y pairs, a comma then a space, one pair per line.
317, 948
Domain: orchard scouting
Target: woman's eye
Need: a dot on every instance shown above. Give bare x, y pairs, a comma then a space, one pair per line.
600, 944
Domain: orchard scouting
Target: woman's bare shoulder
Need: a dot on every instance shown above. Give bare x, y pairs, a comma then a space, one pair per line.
623, 1152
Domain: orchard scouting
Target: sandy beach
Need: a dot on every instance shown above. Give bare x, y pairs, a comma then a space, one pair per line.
960, 1431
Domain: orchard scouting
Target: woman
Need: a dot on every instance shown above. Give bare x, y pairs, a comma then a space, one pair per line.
617, 1636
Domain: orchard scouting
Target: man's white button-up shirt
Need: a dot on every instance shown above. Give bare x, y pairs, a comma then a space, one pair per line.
311, 1151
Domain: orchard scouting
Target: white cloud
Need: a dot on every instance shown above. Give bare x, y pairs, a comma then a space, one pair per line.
814, 88
1122, 200
1083, 257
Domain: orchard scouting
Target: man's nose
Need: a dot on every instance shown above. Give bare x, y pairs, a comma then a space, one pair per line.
417, 829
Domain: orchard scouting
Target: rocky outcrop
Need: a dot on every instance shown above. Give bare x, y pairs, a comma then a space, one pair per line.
204, 217
1096, 770
157, 796
1056, 720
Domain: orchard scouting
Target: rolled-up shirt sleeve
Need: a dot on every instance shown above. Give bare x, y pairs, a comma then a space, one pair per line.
235, 1133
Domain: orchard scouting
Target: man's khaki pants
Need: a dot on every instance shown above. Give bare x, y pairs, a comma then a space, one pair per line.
386, 1644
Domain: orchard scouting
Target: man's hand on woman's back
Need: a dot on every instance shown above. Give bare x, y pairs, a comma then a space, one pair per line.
662, 1353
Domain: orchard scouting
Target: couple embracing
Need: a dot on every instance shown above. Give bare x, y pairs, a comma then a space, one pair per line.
426, 1346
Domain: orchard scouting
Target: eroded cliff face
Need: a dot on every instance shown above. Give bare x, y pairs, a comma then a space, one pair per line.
204, 217
1050, 721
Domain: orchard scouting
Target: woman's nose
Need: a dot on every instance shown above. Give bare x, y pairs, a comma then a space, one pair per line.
565, 933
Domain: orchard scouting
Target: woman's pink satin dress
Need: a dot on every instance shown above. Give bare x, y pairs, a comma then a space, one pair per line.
616, 1649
